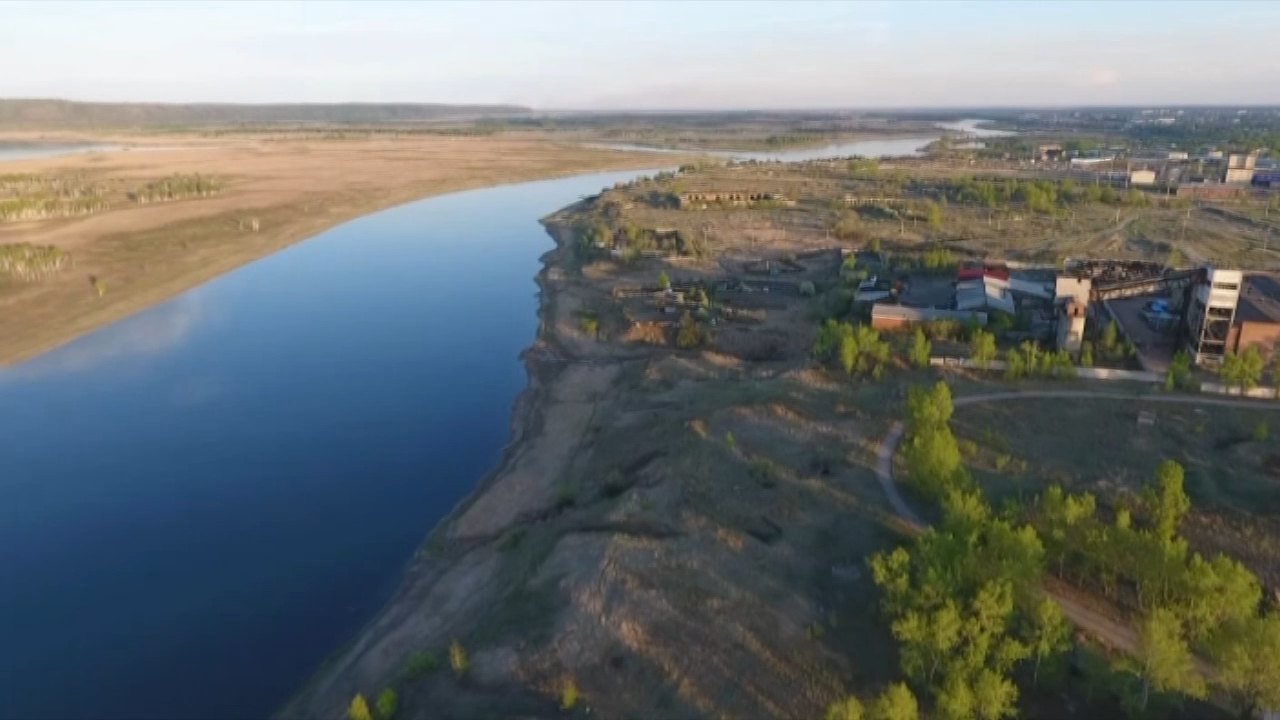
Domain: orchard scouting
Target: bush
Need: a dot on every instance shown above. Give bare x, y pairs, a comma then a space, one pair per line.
589, 323
387, 704
690, 334
807, 289
359, 709
458, 659
420, 664
569, 696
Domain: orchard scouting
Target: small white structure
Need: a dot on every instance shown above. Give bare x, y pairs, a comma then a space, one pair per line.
1142, 177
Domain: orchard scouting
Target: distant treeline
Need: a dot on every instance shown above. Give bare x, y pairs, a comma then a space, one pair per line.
52, 114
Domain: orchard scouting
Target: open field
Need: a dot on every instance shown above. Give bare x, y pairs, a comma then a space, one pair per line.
272, 190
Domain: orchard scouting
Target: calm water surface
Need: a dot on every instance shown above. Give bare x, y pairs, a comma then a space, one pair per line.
201, 502
27, 150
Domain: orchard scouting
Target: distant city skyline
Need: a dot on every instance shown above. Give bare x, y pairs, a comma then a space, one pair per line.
647, 56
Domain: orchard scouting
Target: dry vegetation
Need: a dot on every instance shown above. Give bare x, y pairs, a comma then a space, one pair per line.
228, 201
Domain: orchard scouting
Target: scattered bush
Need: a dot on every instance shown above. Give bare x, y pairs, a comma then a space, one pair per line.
569, 696
458, 659
419, 664
387, 704
359, 709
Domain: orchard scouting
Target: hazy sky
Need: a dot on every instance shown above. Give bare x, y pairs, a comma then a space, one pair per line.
646, 55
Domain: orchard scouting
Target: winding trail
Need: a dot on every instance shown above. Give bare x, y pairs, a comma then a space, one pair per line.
1101, 625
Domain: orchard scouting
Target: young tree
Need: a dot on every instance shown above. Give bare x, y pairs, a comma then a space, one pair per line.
982, 348
1164, 658
896, 703
1086, 354
1167, 500
1049, 633
387, 704
933, 213
846, 708
920, 349
994, 696
664, 282
928, 639
1110, 335
689, 334
359, 709
458, 659
928, 408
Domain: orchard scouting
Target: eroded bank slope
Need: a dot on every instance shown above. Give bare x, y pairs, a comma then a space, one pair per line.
671, 533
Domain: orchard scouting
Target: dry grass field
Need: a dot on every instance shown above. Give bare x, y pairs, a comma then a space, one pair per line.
290, 185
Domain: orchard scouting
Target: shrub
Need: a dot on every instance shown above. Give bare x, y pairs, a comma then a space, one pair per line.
420, 664
664, 282
359, 709
569, 696
566, 495
387, 703
1260, 431
589, 322
458, 659
807, 289
690, 334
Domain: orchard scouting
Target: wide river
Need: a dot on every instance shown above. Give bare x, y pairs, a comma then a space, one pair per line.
202, 501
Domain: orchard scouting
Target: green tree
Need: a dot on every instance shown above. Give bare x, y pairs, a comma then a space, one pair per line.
689, 334
933, 215
1164, 658
994, 696
387, 704
1049, 633
569, 696
920, 349
896, 703
846, 708
1242, 370
664, 282
1109, 338
928, 639
1086, 354
1246, 658
359, 709
982, 347
928, 408
1179, 374
1168, 501
458, 659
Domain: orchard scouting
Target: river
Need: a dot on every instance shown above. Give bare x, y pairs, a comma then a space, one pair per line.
13, 150
200, 502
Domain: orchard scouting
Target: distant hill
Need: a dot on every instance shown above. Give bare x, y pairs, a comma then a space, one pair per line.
55, 114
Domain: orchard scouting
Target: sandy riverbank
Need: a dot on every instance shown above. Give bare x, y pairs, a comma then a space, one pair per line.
293, 186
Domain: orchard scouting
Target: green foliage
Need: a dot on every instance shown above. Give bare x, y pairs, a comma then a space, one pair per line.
846, 708
1028, 360
982, 347
690, 333
589, 322
1242, 370
807, 289
566, 495
664, 282
858, 350
928, 409
176, 187
1164, 661
1109, 337
863, 166
847, 226
99, 285
420, 664
1179, 376
730, 441
1260, 431
458, 659
896, 703
359, 709
29, 262
1246, 658
933, 215
1048, 633
387, 704
1086, 354
920, 349
569, 696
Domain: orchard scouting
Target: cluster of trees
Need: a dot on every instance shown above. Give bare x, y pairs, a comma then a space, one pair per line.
896, 703
384, 707
1028, 360
1043, 196
690, 333
964, 599
1110, 345
860, 166
176, 188
1188, 603
966, 604
29, 262
858, 350
1242, 370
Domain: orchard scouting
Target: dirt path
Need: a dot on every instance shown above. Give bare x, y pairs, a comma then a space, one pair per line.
1099, 624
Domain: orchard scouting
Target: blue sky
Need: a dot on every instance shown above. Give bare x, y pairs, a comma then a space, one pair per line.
608, 55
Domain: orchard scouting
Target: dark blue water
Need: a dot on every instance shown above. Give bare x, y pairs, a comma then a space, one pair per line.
201, 502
